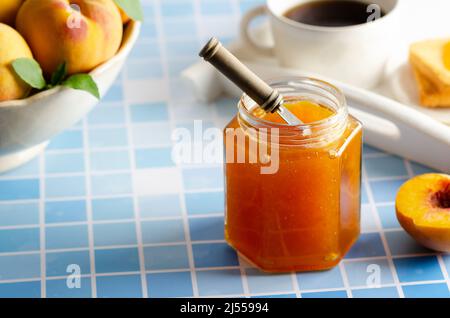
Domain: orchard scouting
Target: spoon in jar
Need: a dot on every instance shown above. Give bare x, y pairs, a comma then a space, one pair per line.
269, 99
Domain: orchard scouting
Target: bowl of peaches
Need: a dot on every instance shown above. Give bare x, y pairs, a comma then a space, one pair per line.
58, 58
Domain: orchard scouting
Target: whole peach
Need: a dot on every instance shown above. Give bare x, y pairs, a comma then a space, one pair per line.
8, 10
82, 33
12, 46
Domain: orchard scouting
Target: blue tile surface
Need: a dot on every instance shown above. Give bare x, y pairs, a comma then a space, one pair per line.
169, 231
114, 95
388, 217
25, 266
130, 286
144, 69
149, 112
320, 280
15, 214
116, 260
145, 49
110, 160
166, 257
154, 158
389, 166
65, 211
107, 137
276, 296
115, 234
208, 7
111, 184
58, 288
368, 220
364, 197
178, 284
207, 229
19, 240
246, 5
204, 203
446, 260
383, 292
385, 191
326, 294
29, 169
219, 282
84, 203
64, 237
177, 48
64, 163
20, 290
259, 282
401, 243
420, 169
105, 116
57, 187
173, 8
416, 269
151, 135
203, 178
70, 139
19, 189
112, 209
149, 30
160, 206
368, 245
426, 291
214, 255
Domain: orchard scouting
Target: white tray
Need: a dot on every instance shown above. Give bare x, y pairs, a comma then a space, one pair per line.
408, 131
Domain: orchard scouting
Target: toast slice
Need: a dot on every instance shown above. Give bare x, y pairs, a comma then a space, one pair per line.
447, 55
430, 94
427, 57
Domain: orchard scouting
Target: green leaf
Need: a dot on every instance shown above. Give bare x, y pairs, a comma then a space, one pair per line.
29, 71
132, 8
82, 82
59, 75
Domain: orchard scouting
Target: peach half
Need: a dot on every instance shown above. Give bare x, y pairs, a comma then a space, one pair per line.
423, 210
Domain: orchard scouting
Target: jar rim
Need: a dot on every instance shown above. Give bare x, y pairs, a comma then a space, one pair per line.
339, 114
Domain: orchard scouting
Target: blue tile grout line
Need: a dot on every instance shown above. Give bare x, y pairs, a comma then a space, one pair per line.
385, 245
107, 197
136, 210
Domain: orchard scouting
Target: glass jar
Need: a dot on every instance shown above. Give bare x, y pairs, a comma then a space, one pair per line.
293, 192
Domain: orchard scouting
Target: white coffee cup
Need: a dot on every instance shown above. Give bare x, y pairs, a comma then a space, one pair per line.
355, 54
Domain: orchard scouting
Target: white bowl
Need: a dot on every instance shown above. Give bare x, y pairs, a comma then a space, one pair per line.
27, 125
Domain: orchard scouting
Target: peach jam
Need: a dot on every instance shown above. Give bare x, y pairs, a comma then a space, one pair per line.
303, 213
